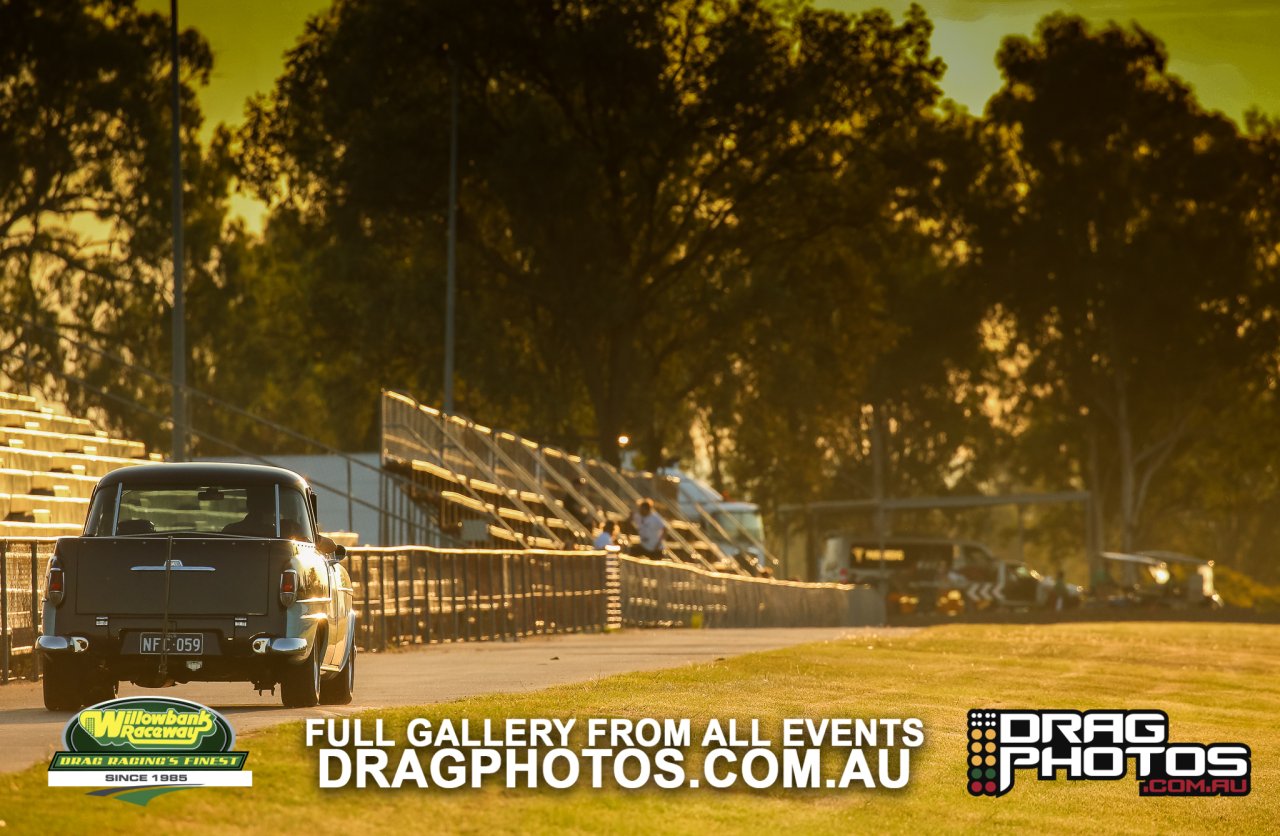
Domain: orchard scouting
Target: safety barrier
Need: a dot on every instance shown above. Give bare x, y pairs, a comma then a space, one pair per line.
420, 595
423, 595
662, 594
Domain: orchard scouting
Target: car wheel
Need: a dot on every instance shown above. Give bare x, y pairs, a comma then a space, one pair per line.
65, 685
337, 691
300, 684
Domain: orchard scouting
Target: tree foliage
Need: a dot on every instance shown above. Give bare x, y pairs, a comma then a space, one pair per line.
748, 226
1120, 235
85, 191
655, 196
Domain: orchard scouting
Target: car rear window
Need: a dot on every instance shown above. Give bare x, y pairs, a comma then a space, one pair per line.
251, 511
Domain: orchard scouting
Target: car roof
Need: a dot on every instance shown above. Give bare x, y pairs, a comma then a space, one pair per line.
203, 474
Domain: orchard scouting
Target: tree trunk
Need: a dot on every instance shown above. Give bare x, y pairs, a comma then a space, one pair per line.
1128, 467
1096, 527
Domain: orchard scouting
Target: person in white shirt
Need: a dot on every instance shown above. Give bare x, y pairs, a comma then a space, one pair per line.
604, 534
650, 529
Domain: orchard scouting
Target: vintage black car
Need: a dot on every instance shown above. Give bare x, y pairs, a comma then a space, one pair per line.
208, 572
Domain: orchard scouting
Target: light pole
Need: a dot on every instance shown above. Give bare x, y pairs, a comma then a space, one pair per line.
451, 258
179, 333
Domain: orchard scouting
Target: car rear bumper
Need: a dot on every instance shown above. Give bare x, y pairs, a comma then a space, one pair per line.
58, 645
287, 647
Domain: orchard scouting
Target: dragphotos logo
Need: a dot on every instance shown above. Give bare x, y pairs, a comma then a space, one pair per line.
1099, 746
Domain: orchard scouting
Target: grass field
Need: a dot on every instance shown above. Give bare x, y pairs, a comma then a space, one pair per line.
1216, 681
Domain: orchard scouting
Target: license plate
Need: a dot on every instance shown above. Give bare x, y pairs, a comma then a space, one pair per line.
187, 644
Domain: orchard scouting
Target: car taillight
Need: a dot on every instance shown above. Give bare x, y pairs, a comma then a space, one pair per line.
54, 585
288, 588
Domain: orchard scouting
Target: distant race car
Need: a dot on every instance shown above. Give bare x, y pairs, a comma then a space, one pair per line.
198, 572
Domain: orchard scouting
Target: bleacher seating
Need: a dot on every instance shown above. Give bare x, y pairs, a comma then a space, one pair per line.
465, 474
49, 463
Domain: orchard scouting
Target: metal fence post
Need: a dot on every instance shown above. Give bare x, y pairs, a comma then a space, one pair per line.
411, 634
453, 595
441, 630
475, 621
351, 525
4, 610
35, 610
368, 615
494, 627
395, 574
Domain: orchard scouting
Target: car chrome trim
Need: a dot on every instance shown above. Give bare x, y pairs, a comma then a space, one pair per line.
62, 644
288, 647
115, 518
173, 565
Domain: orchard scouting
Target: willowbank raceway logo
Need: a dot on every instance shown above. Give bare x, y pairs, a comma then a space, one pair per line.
137, 748
1098, 746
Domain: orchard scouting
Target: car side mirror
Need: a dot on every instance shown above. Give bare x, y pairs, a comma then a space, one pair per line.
326, 546
339, 553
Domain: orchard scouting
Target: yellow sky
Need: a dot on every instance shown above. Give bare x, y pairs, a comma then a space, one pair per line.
1228, 49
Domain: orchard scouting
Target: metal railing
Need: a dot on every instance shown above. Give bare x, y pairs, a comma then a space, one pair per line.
571, 488
422, 595
22, 566
661, 594
410, 595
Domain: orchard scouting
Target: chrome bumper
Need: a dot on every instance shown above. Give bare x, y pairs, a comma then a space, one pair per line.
62, 644
279, 647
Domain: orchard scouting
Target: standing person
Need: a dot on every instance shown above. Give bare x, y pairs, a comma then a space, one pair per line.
650, 529
1060, 591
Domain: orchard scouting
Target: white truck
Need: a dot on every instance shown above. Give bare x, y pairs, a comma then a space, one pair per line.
736, 527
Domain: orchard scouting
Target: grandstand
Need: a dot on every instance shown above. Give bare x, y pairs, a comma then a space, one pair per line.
477, 486
49, 463
495, 489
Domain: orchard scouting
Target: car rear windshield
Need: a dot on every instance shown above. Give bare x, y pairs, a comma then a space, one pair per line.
252, 511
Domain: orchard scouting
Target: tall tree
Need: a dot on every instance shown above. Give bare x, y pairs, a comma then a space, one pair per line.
640, 179
1133, 297
84, 187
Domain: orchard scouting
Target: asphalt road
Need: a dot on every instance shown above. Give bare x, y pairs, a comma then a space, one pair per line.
29, 734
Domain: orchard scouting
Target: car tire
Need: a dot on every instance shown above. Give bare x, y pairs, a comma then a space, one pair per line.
338, 690
65, 685
300, 683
